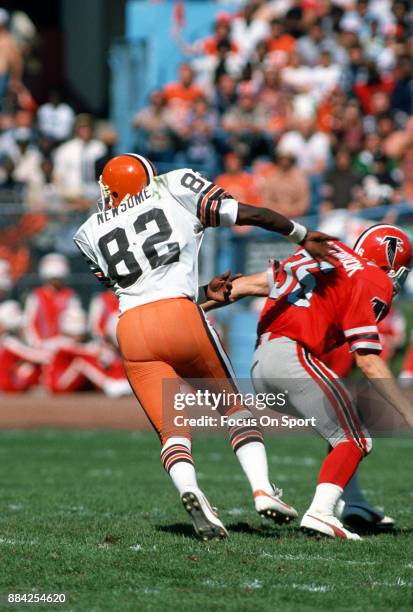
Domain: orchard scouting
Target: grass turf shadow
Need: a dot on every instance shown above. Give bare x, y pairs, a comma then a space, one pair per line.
263, 531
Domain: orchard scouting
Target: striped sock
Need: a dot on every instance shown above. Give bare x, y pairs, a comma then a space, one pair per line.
243, 429
248, 445
176, 457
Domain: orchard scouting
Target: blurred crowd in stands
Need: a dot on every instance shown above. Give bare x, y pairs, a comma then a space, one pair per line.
302, 106
299, 105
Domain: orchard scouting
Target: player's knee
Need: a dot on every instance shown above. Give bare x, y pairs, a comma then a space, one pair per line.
363, 444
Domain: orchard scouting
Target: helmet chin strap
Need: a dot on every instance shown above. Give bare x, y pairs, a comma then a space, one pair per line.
398, 278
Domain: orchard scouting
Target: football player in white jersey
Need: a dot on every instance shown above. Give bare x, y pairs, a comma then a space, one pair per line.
144, 242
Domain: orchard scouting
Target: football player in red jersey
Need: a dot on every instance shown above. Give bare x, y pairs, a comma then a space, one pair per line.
354, 509
312, 308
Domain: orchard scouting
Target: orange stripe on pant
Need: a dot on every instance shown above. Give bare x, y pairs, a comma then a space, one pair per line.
169, 339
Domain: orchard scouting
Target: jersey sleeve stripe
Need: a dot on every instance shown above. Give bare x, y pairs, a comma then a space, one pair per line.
360, 330
363, 337
201, 199
361, 344
212, 208
206, 205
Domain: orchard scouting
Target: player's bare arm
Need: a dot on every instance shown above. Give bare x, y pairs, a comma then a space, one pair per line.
380, 376
315, 243
237, 287
254, 285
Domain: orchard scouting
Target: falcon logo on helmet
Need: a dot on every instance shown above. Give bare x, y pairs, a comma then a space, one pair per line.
394, 244
389, 248
123, 177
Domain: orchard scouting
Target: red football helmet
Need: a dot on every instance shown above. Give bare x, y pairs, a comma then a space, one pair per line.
124, 176
389, 248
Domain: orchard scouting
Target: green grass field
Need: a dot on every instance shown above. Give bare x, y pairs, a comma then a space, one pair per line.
94, 515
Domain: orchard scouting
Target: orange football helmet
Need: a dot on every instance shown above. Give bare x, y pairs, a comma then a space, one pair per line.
389, 248
123, 177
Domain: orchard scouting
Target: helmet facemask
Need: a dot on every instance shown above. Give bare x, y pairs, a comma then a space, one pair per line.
106, 201
398, 278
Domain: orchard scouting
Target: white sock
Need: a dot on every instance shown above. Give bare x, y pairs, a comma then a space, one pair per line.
325, 498
182, 473
253, 460
183, 476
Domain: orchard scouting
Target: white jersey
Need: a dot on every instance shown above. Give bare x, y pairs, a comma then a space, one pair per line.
147, 247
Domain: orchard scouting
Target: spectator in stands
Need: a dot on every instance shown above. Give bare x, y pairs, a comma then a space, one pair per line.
381, 185
102, 307
155, 122
8, 146
326, 77
76, 365
297, 75
10, 189
342, 183
10, 59
74, 166
356, 18
20, 364
294, 17
56, 118
185, 90
369, 82
310, 147
225, 94
286, 188
363, 162
210, 68
109, 137
315, 42
280, 42
6, 284
28, 160
354, 67
402, 94
210, 44
247, 31
246, 124
44, 195
348, 127
236, 181
45, 305
198, 135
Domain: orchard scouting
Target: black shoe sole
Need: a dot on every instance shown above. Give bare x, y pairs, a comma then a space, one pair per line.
276, 517
317, 535
204, 528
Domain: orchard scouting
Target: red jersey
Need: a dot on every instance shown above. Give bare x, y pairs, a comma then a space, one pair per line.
43, 311
322, 306
19, 365
102, 307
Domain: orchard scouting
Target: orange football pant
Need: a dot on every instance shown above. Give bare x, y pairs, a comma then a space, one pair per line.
170, 340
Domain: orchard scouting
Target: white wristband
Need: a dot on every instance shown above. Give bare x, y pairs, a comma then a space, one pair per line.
298, 233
